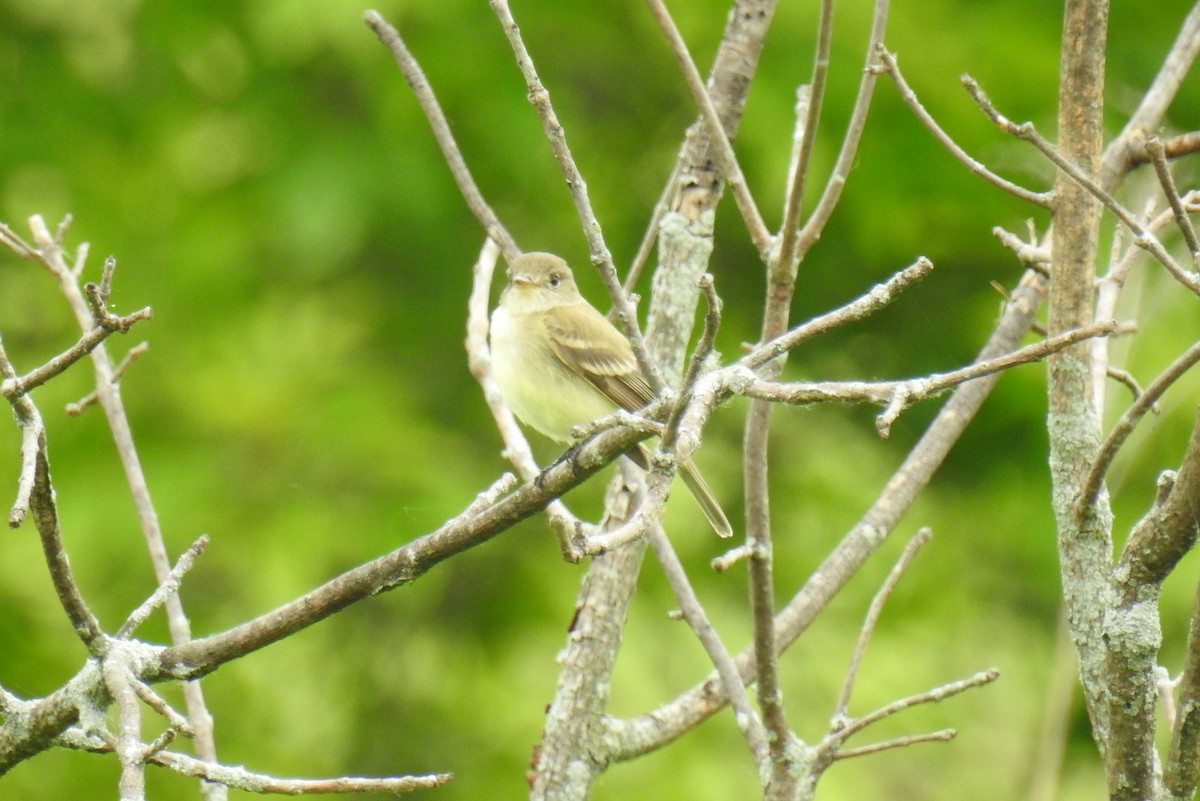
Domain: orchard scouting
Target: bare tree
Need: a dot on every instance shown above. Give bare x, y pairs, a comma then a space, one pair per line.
1110, 600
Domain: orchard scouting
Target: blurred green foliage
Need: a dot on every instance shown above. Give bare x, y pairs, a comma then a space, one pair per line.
269, 186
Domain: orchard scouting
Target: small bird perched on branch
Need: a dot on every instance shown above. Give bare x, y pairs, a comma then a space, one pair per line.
560, 363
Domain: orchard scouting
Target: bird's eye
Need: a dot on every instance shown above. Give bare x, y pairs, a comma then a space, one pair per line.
554, 279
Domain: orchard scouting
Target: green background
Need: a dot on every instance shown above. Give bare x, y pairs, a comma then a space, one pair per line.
268, 184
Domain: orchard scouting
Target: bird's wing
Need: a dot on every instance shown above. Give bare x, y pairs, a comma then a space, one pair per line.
591, 346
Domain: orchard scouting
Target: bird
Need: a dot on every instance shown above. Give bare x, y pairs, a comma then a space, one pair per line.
560, 363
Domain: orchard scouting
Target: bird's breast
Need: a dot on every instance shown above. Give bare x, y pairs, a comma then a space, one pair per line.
542, 391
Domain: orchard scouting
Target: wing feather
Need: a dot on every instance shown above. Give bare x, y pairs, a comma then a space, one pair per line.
592, 347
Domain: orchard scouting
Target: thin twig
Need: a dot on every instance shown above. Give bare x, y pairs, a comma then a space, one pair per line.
932, 696
29, 421
760, 236
59, 364
166, 588
840, 711
425, 96
1029, 133
703, 349
696, 617
892, 68
156, 702
940, 736
1032, 254
1158, 155
1184, 144
1127, 379
632, 529
786, 260
744, 382
241, 779
731, 557
1090, 489
88, 400
832, 192
646, 246
876, 298
1122, 152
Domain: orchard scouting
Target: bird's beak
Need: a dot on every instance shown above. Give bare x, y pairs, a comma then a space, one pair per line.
521, 280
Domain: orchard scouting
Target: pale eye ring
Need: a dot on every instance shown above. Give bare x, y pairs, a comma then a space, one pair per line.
554, 279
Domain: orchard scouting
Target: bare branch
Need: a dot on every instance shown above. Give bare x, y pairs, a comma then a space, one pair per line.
45, 518
1183, 762
1126, 378
59, 364
134, 353
1122, 153
904, 393
119, 680
397, 568
851, 727
50, 254
841, 710
1142, 237
892, 68
178, 723
242, 779
1167, 532
704, 348
858, 120
1158, 155
1073, 423
876, 298
1090, 488
941, 736
693, 612
441, 131
165, 590
33, 439
662, 725
785, 261
759, 235
1032, 254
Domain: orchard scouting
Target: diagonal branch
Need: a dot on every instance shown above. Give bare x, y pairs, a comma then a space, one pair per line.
1167, 532
759, 235
441, 132
1141, 237
1094, 481
841, 710
1122, 153
1158, 155
892, 68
